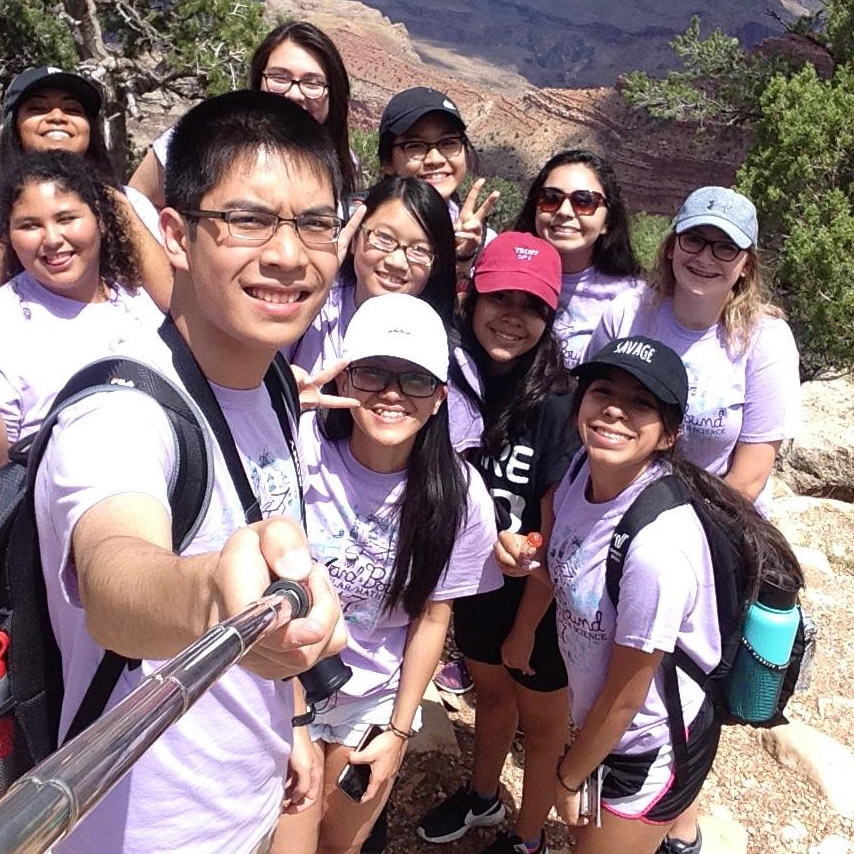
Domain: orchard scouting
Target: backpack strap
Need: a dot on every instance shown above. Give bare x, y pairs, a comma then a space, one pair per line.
661, 495
189, 489
283, 395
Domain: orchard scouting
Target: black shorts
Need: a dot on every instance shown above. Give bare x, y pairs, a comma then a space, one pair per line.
643, 785
482, 622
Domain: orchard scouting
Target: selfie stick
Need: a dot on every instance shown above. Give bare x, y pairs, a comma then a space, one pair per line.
44, 805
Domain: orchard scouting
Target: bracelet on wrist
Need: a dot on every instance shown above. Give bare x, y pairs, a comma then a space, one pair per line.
566, 786
400, 733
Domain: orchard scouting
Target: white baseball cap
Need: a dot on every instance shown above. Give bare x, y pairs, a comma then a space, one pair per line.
401, 327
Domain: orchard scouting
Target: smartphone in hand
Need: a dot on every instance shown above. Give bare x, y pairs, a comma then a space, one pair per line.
354, 779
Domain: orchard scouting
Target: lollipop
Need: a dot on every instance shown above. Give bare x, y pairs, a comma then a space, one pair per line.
535, 539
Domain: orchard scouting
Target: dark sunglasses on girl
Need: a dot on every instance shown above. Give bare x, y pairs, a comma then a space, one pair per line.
582, 202
410, 383
694, 244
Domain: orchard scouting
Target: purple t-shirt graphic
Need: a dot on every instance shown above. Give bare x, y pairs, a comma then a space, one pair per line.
352, 521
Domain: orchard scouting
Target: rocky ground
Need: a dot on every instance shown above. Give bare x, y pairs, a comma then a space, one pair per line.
750, 802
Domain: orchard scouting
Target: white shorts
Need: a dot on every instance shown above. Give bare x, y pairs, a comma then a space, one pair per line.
344, 720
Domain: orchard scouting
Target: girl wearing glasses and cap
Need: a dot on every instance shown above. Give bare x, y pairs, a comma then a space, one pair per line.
299, 62
575, 204
423, 135
404, 528
48, 109
707, 301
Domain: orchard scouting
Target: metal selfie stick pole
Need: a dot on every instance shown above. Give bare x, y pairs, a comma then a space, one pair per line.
45, 804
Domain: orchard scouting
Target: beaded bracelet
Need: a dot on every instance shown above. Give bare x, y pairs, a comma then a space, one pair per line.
400, 733
569, 789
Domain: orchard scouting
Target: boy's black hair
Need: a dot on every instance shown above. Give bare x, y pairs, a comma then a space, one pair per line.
215, 133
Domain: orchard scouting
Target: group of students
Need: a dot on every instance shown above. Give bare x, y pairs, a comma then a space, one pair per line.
439, 431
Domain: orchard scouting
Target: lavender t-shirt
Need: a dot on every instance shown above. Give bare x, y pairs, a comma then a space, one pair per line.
667, 598
45, 338
583, 298
352, 521
751, 397
213, 781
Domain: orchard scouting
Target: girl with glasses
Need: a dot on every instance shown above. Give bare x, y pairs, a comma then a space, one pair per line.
707, 301
297, 61
404, 527
423, 135
575, 204
508, 637
71, 294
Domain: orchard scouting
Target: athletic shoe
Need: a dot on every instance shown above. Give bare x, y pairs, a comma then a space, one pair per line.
453, 817
454, 677
677, 846
506, 843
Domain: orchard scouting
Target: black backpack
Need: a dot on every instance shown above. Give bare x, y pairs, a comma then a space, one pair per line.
34, 662
733, 596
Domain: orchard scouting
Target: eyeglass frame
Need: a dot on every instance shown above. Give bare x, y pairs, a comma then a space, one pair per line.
396, 377
461, 138
293, 221
398, 245
599, 198
298, 83
710, 243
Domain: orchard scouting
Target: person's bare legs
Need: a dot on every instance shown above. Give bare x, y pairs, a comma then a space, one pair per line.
298, 834
544, 718
618, 835
495, 724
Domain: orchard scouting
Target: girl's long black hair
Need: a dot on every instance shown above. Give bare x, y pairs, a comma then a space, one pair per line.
612, 252
431, 213
318, 44
431, 509
11, 150
118, 259
508, 413
768, 556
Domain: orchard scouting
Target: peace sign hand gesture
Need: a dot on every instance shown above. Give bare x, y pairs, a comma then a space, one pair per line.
468, 229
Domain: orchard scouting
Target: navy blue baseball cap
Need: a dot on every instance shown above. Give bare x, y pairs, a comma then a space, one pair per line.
48, 77
406, 107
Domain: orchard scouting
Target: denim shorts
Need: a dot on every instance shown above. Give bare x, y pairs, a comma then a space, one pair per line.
344, 720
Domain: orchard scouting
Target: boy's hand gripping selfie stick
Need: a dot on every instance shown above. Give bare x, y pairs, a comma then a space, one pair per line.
45, 804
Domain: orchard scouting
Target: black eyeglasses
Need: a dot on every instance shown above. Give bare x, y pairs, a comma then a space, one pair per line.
694, 244
313, 229
416, 149
410, 383
415, 254
582, 202
281, 84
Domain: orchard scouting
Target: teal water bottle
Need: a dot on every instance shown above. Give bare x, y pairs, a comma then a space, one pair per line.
768, 635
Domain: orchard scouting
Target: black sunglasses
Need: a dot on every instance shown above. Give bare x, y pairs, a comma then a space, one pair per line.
410, 383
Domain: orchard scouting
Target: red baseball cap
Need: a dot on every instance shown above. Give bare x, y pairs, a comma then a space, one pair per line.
516, 261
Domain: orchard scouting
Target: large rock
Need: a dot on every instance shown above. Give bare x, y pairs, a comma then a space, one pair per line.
817, 757
722, 836
821, 459
436, 731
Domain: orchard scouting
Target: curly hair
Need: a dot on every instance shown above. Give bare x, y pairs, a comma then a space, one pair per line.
747, 303
612, 252
118, 260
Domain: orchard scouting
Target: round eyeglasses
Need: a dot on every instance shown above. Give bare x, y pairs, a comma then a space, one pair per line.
694, 244
410, 383
313, 229
582, 202
385, 242
417, 149
281, 84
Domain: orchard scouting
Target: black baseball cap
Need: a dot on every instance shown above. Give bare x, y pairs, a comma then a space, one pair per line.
650, 362
48, 77
406, 107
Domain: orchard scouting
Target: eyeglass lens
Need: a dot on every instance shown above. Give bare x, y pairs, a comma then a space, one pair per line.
694, 244
411, 383
386, 243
